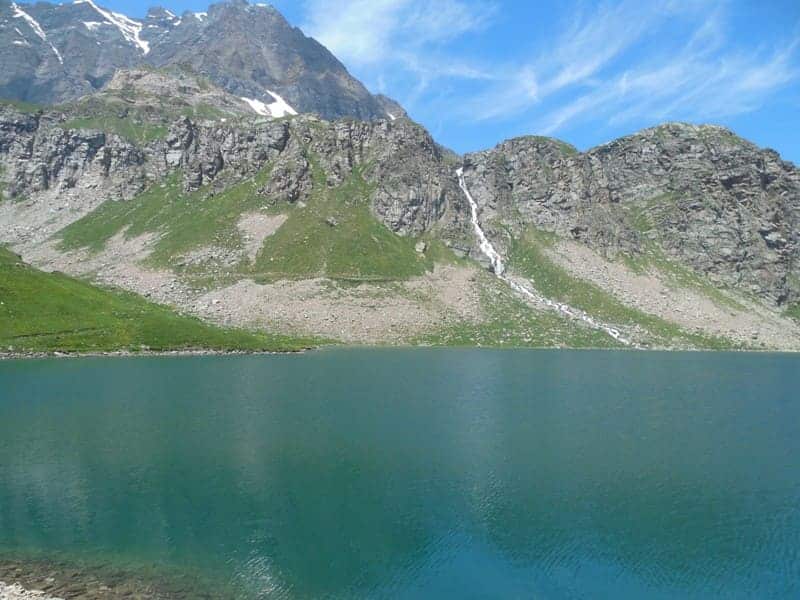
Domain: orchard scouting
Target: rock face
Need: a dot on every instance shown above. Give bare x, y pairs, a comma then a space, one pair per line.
52, 53
414, 188
702, 195
38, 156
164, 92
698, 195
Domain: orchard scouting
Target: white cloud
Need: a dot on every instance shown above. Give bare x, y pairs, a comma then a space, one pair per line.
592, 40
698, 82
357, 31
614, 62
401, 44
584, 47
369, 32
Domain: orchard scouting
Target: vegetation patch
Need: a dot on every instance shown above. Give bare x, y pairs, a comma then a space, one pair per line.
207, 112
566, 149
509, 322
528, 259
23, 107
183, 221
139, 132
793, 311
43, 312
332, 234
335, 235
681, 276
642, 217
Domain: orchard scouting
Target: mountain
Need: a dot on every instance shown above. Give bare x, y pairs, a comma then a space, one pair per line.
53, 53
164, 184
699, 195
207, 172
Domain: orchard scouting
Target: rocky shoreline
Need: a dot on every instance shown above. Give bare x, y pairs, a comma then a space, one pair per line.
142, 353
197, 353
62, 580
17, 592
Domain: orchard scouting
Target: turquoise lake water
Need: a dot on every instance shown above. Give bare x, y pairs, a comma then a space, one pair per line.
414, 473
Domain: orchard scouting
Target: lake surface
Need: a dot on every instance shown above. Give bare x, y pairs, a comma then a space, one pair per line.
414, 473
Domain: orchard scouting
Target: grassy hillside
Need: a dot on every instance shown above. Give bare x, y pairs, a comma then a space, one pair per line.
509, 322
527, 257
42, 312
793, 311
333, 233
336, 235
24, 107
184, 221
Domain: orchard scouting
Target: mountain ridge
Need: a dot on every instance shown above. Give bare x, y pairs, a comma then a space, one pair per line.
243, 219
174, 182
249, 50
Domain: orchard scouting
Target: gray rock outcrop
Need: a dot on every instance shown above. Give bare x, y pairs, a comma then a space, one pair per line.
708, 198
414, 189
699, 195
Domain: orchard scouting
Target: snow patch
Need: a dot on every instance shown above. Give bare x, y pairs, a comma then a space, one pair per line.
37, 29
279, 108
201, 16
92, 25
391, 116
258, 107
129, 28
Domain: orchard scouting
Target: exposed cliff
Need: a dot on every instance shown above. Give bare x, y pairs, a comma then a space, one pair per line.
162, 183
704, 196
41, 153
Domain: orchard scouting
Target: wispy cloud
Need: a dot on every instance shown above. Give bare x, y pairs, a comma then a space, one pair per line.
400, 39
586, 46
706, 78
607, 63
371, 32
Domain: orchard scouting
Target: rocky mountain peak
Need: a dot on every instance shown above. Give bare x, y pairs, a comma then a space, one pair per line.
52, 53
159, 13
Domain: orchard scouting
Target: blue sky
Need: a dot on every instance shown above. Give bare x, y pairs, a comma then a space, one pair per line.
476, 72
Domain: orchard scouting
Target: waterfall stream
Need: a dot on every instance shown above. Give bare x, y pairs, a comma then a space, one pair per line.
498, 267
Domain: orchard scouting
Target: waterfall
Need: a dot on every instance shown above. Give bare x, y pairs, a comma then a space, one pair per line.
499, 269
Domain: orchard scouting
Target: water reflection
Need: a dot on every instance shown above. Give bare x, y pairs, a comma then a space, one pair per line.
415, 473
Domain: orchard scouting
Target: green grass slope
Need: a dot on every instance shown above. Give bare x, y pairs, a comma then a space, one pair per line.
510, 322
332, 233
183, 221
793, 311
23, 107
44, 312
335, 235
527, 257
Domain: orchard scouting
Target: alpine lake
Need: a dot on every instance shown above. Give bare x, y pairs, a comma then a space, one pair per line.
406, 473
